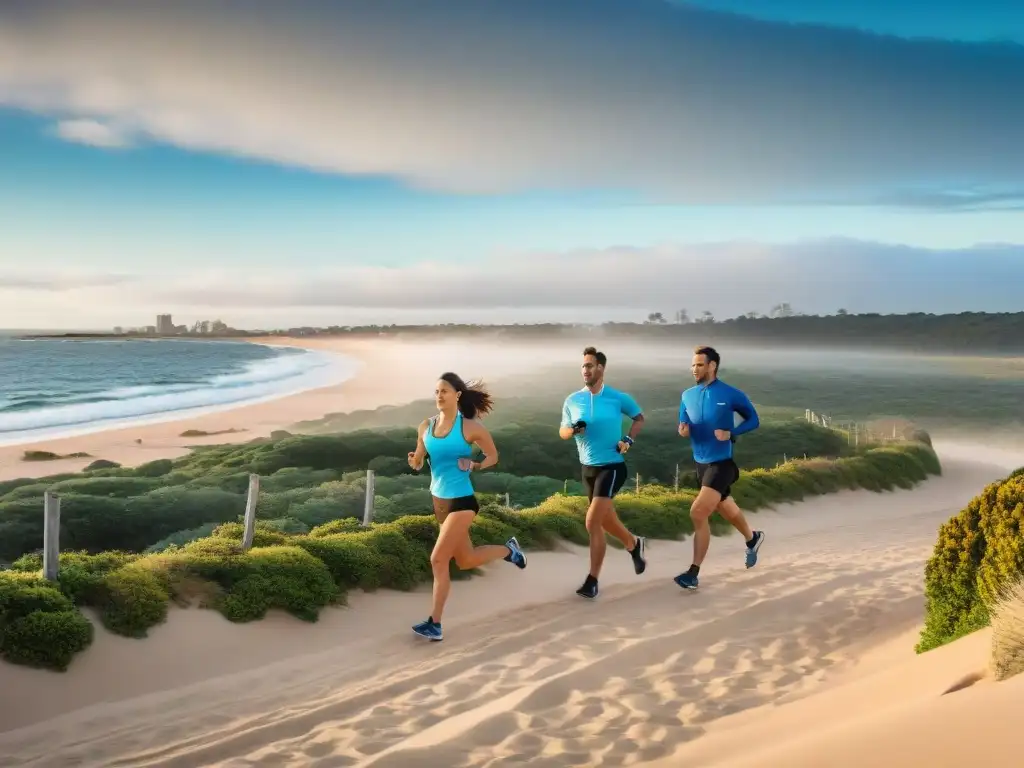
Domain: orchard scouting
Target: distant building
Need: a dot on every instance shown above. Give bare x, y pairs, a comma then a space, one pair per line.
164, 324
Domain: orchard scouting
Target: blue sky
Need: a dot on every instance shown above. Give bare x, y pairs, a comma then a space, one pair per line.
277, 166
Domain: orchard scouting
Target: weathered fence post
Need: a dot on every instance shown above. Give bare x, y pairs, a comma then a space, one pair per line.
507, 502
51, 535
638, 483
250, 512
368, 505
677, 478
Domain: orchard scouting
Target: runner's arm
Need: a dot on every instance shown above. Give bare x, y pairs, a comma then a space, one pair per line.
684, 417
421, 450
631, 408
480, 437
741, 404
565, 429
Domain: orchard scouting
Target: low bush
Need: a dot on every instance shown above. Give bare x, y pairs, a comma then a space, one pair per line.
303, 572
979, 553
39, 625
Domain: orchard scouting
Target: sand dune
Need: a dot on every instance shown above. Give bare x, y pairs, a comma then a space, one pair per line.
529, 674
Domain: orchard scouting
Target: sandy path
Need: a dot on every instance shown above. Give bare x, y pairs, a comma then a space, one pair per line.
529, 674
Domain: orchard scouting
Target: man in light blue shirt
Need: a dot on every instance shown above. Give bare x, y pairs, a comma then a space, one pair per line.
706, 417
593, 416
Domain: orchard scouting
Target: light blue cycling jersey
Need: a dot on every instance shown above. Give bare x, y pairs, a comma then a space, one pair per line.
603, 412
447, 481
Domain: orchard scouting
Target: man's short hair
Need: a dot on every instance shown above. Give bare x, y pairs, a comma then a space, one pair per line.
710, 353
602, 360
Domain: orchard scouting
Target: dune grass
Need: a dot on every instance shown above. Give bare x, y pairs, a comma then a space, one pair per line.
303, 573
1007, 657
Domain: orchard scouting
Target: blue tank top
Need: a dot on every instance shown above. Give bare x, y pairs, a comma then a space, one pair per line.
447, 481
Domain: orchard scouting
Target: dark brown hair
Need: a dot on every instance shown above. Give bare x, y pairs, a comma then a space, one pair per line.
602, 360
474, 397
711, 354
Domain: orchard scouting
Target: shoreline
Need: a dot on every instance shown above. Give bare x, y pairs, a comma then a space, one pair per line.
390, 371
141, 442
342, 368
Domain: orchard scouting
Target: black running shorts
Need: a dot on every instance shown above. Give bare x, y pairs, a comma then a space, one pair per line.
461, 504
719, 475
604, 481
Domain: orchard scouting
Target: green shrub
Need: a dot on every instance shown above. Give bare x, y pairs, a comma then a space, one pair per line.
133, 599
345, 525
46, 639
157, 468
285, 577
979, 552
101, 464
39, 626
303, 572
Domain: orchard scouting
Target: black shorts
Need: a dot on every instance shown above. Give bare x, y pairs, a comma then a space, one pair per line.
719, 475
461, 504
604, 481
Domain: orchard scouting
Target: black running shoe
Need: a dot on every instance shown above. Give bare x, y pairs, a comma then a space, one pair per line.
589, 588
639, 555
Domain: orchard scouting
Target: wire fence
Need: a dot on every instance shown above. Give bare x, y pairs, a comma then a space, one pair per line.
859, 433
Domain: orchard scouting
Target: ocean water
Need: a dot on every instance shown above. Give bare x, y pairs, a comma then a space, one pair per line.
58, 388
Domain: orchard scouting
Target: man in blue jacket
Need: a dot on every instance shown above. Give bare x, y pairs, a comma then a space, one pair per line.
706, 417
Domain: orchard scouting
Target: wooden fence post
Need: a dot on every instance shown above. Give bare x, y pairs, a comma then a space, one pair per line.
507, 502
250, 512
638, 483
51, 535
368, 505
677, 478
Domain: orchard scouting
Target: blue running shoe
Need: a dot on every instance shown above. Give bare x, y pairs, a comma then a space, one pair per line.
429, 629
515, 555
752, 550
686, 580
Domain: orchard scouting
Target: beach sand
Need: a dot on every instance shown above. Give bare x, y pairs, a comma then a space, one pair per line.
802, 661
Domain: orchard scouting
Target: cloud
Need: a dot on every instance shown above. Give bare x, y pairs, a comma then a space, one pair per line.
58, 282
727, 279
481, 96
91, 132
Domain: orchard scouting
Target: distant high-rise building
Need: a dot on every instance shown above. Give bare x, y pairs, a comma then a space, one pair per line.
164, 324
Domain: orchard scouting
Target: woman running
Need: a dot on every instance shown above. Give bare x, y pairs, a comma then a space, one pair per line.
447, 441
